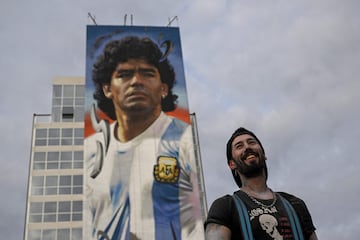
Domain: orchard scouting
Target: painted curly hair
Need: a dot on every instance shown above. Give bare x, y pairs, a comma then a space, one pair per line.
119, 51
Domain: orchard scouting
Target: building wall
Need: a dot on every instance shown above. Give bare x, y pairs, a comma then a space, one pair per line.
55, 186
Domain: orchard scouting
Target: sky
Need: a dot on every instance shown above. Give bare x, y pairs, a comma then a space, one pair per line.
287, 70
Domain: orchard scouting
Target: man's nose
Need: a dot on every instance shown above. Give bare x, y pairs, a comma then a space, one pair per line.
136, 79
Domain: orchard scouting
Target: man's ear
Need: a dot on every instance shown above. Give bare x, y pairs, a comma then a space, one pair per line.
164, 90
107, 91
232, 164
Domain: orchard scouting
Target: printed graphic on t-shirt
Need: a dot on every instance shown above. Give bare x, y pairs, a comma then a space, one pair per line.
270, 223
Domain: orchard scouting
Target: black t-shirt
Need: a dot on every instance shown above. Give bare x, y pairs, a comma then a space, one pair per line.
266, 222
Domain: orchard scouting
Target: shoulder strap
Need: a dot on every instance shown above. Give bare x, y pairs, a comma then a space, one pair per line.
294, 220
243, 217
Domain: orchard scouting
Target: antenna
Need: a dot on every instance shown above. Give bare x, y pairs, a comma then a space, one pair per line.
131, 19
171, 20
92, 18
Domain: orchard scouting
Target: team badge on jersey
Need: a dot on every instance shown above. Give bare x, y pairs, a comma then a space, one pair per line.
166, 170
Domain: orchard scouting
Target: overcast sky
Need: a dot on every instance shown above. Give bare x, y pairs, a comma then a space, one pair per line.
288, 70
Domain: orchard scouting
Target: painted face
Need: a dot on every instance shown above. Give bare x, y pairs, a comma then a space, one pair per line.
136, 87
248, 157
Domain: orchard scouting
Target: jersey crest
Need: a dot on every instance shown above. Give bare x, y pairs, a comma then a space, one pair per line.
166, 170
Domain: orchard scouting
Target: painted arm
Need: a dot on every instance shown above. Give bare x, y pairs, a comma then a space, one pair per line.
215, 231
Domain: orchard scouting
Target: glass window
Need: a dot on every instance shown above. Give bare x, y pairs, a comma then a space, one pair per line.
78, 165
38, 166
65, 180
63, 234
53, 156
56, 114
79, 101
56, 102
79, 115
66, 165
78, 180
41, 133
39, 156
76, 234
79, 132
66, 141
50, 207
76, 217
37, 191
57, 90
67, 132
53, 142
54, 133
80, 91
77, 190
77, 206
64, 190
35, 218
40, 142
51, 181
51, 191
66, 156
64, 207
53, 165
50, 218
34, 235
78, 141
36, 207
68, 102
64, 217
78, 155
38, 181
49, 234
69, 91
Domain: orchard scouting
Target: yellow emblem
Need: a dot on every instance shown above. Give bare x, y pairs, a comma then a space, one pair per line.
166, 170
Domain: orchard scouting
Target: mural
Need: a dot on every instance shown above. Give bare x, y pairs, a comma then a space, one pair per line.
141, 176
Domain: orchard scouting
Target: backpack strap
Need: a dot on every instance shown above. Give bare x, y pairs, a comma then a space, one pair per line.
243, 217
293, 217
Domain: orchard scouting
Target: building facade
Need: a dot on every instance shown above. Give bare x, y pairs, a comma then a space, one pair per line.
54, 207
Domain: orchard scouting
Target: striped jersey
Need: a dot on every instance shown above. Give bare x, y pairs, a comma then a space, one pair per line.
147, 187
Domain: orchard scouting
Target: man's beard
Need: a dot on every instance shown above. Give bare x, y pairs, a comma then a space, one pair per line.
253, 169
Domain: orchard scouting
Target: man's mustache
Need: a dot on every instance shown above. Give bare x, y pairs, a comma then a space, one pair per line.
248, 152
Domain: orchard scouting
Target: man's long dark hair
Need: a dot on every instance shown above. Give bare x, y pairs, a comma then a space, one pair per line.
119, 51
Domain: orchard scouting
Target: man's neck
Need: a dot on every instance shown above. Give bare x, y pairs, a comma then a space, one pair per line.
256, 187
129, 127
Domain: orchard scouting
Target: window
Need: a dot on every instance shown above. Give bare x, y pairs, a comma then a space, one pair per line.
53, 185
37, 185
55, 234
40, 137
57, 91
63, 234
39, 160
34, 234
68, 112
62, 211
69, 91
36, 209
49, 234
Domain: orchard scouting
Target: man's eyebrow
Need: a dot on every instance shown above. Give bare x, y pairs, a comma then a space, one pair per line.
139, 69
149, 69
